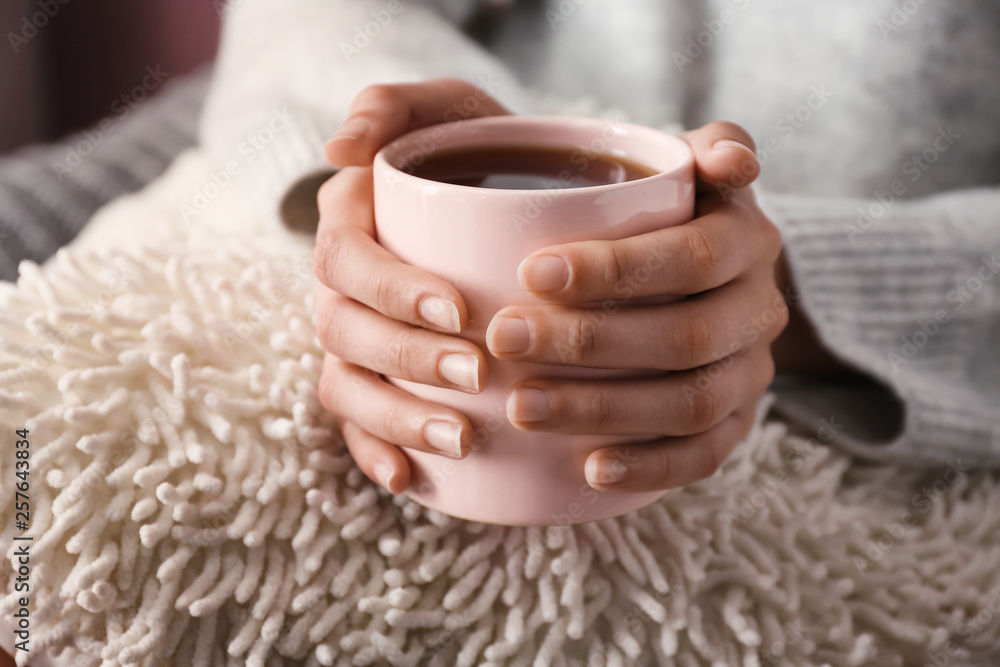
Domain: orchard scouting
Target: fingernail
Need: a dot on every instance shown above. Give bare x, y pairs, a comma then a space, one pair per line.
440, 313
353, 128
528, 405
510, 334
603, 471
729, 143
445, 437
384, 475
461, 370
544, 273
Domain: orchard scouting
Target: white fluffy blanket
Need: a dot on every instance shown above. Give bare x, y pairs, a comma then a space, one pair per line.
191, 504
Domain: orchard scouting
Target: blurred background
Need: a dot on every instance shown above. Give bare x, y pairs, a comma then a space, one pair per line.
65, 63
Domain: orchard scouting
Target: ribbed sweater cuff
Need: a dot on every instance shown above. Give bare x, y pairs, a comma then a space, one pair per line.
295, 153
878, 285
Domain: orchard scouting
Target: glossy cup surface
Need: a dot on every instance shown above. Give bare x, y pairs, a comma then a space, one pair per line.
476, 238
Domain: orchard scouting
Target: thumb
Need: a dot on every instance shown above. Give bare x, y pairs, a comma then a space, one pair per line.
724, 156
380, 113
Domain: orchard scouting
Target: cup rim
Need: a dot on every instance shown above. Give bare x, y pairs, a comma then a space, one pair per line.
385, 156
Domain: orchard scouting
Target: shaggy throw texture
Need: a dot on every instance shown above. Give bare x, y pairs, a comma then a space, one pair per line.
192, 504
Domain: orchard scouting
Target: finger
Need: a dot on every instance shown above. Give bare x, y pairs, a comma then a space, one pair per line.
380, 113
348, 260
357, 334
669, 462
675, 404
724, 155
381, 461
687, 259
676, 336
387, 412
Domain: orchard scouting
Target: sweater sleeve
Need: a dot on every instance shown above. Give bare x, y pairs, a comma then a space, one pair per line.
908, 293
287, 72
49, 192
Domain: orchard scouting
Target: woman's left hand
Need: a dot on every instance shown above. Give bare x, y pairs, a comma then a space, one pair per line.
713, 345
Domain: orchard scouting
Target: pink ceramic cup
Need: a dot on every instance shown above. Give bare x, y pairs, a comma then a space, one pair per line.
476, 238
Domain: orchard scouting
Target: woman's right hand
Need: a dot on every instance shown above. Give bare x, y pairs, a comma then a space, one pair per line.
376, 315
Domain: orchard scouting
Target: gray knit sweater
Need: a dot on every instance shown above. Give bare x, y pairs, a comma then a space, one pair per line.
49, 192
876, 126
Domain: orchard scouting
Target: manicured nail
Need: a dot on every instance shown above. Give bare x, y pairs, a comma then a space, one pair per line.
603, 471
445, 437
528, 405
510, 334
440, 313
461, 370
384, 475
544, 273
729, 143
353, 128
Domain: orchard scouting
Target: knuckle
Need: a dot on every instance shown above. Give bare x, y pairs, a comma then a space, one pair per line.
581, 340
391, 420
616, 264
329, 321
766, 369
401, 358
703, 409
379, 292
697, 338
327, 256
773, 240
773, 317
663, 465
705, 259
602, 410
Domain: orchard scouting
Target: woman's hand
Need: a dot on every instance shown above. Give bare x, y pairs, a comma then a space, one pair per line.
714, 343
376, 315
